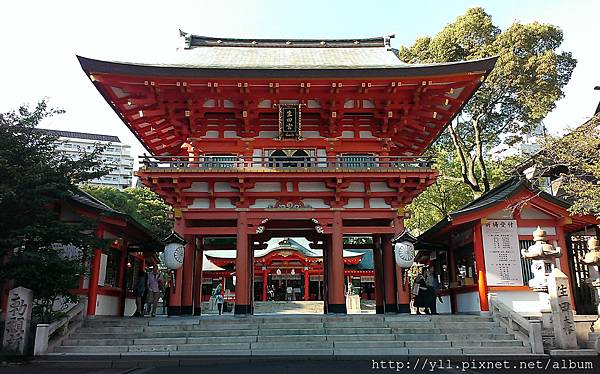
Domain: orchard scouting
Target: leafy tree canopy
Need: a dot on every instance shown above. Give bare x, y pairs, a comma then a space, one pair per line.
576, 159
140, 203
521, 90
34, 177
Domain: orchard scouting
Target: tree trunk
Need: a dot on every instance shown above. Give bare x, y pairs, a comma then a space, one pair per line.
467, 165
479, 156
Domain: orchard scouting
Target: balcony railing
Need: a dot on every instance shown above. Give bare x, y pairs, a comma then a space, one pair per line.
295, 162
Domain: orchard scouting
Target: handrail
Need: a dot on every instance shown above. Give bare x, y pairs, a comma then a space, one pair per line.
529, 331
307, 162
44, 332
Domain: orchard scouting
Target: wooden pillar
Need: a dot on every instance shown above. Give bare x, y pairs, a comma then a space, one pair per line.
452, 269
242, 291
264, 288
336, 300
197, 290
121, 281
94, 274
378, 272
174, 307
306, 285
188, 275
389, 276
480, 268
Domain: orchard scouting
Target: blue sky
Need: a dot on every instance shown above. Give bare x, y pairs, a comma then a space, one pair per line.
40, 40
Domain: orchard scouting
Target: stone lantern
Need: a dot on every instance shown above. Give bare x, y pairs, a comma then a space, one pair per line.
592, 260
542, 255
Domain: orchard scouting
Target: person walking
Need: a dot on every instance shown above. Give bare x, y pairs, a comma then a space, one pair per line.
219, 301
433, 285
155, 284
139, 289
422, 295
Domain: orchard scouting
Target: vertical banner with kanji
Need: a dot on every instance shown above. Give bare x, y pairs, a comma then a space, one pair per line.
18, 318
289, 121
501, 252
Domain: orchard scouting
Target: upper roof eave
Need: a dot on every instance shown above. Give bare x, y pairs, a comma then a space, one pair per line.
93, 66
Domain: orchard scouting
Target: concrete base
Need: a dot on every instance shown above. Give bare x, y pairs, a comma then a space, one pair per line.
336, 308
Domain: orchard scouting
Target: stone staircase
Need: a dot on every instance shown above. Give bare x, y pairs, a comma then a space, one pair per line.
309, 335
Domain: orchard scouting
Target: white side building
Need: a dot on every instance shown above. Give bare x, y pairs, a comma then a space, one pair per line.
115, 153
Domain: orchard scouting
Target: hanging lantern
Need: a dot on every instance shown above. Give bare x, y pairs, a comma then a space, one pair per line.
404, 253
174, 251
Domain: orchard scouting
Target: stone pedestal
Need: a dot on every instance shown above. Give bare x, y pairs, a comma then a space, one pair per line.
562, 310
594, 341
18, 319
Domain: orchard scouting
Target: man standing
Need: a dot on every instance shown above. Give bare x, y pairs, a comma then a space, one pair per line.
154, 286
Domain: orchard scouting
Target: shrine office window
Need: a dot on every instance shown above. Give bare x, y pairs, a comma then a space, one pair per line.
112, 268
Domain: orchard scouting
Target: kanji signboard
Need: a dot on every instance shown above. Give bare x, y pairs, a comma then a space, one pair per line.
502, 254
289, 121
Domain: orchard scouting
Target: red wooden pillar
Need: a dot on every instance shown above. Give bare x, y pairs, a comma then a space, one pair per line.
378, 270
336, 301
94, 274
188, 275
389, 277
564, 259
121, 281
264, 289
174, 307
242, 291
197, 292
480, 268
306, 285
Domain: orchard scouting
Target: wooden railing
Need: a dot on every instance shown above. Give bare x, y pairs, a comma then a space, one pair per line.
357, 162
528, 331
48, 336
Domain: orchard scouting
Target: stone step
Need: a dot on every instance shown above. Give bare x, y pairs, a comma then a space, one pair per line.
420, 337
159, 341
221, 339
367, 344
402, 330
361, 324
107, 350
289, 345
428, 344
285, 338
117, 330
358, 330
291, 325
269, 332
97, 342
487, 343
288, 319
153, 348
214, 353
410, 324
362, 337
117, 323
407, 318
372, 352
478, 336
496, 350
353, 318
217, 333
474, 330
213, 347
293, 352
467, 325
420, 351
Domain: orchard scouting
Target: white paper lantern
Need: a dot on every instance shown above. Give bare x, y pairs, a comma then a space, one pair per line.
173, 255
404, 253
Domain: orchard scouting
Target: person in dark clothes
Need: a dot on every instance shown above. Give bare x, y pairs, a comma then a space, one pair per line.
139, 289
423, 297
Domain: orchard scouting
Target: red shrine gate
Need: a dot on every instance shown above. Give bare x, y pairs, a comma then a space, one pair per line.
286, 138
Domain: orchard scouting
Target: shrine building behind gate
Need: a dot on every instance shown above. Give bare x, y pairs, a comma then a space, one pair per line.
255, 139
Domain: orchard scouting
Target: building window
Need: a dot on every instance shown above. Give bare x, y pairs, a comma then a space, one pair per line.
112, 268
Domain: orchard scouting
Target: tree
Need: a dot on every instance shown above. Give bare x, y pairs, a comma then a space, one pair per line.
140, 203
514, 99
34, 176
577, 159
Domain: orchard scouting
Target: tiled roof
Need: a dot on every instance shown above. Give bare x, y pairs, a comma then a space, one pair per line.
82, 135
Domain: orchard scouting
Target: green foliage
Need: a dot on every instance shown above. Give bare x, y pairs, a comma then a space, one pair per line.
143, 205
34, 177
577, 159
521, 90
449, 193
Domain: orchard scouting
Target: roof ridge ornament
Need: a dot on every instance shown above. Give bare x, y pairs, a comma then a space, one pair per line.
187, 37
